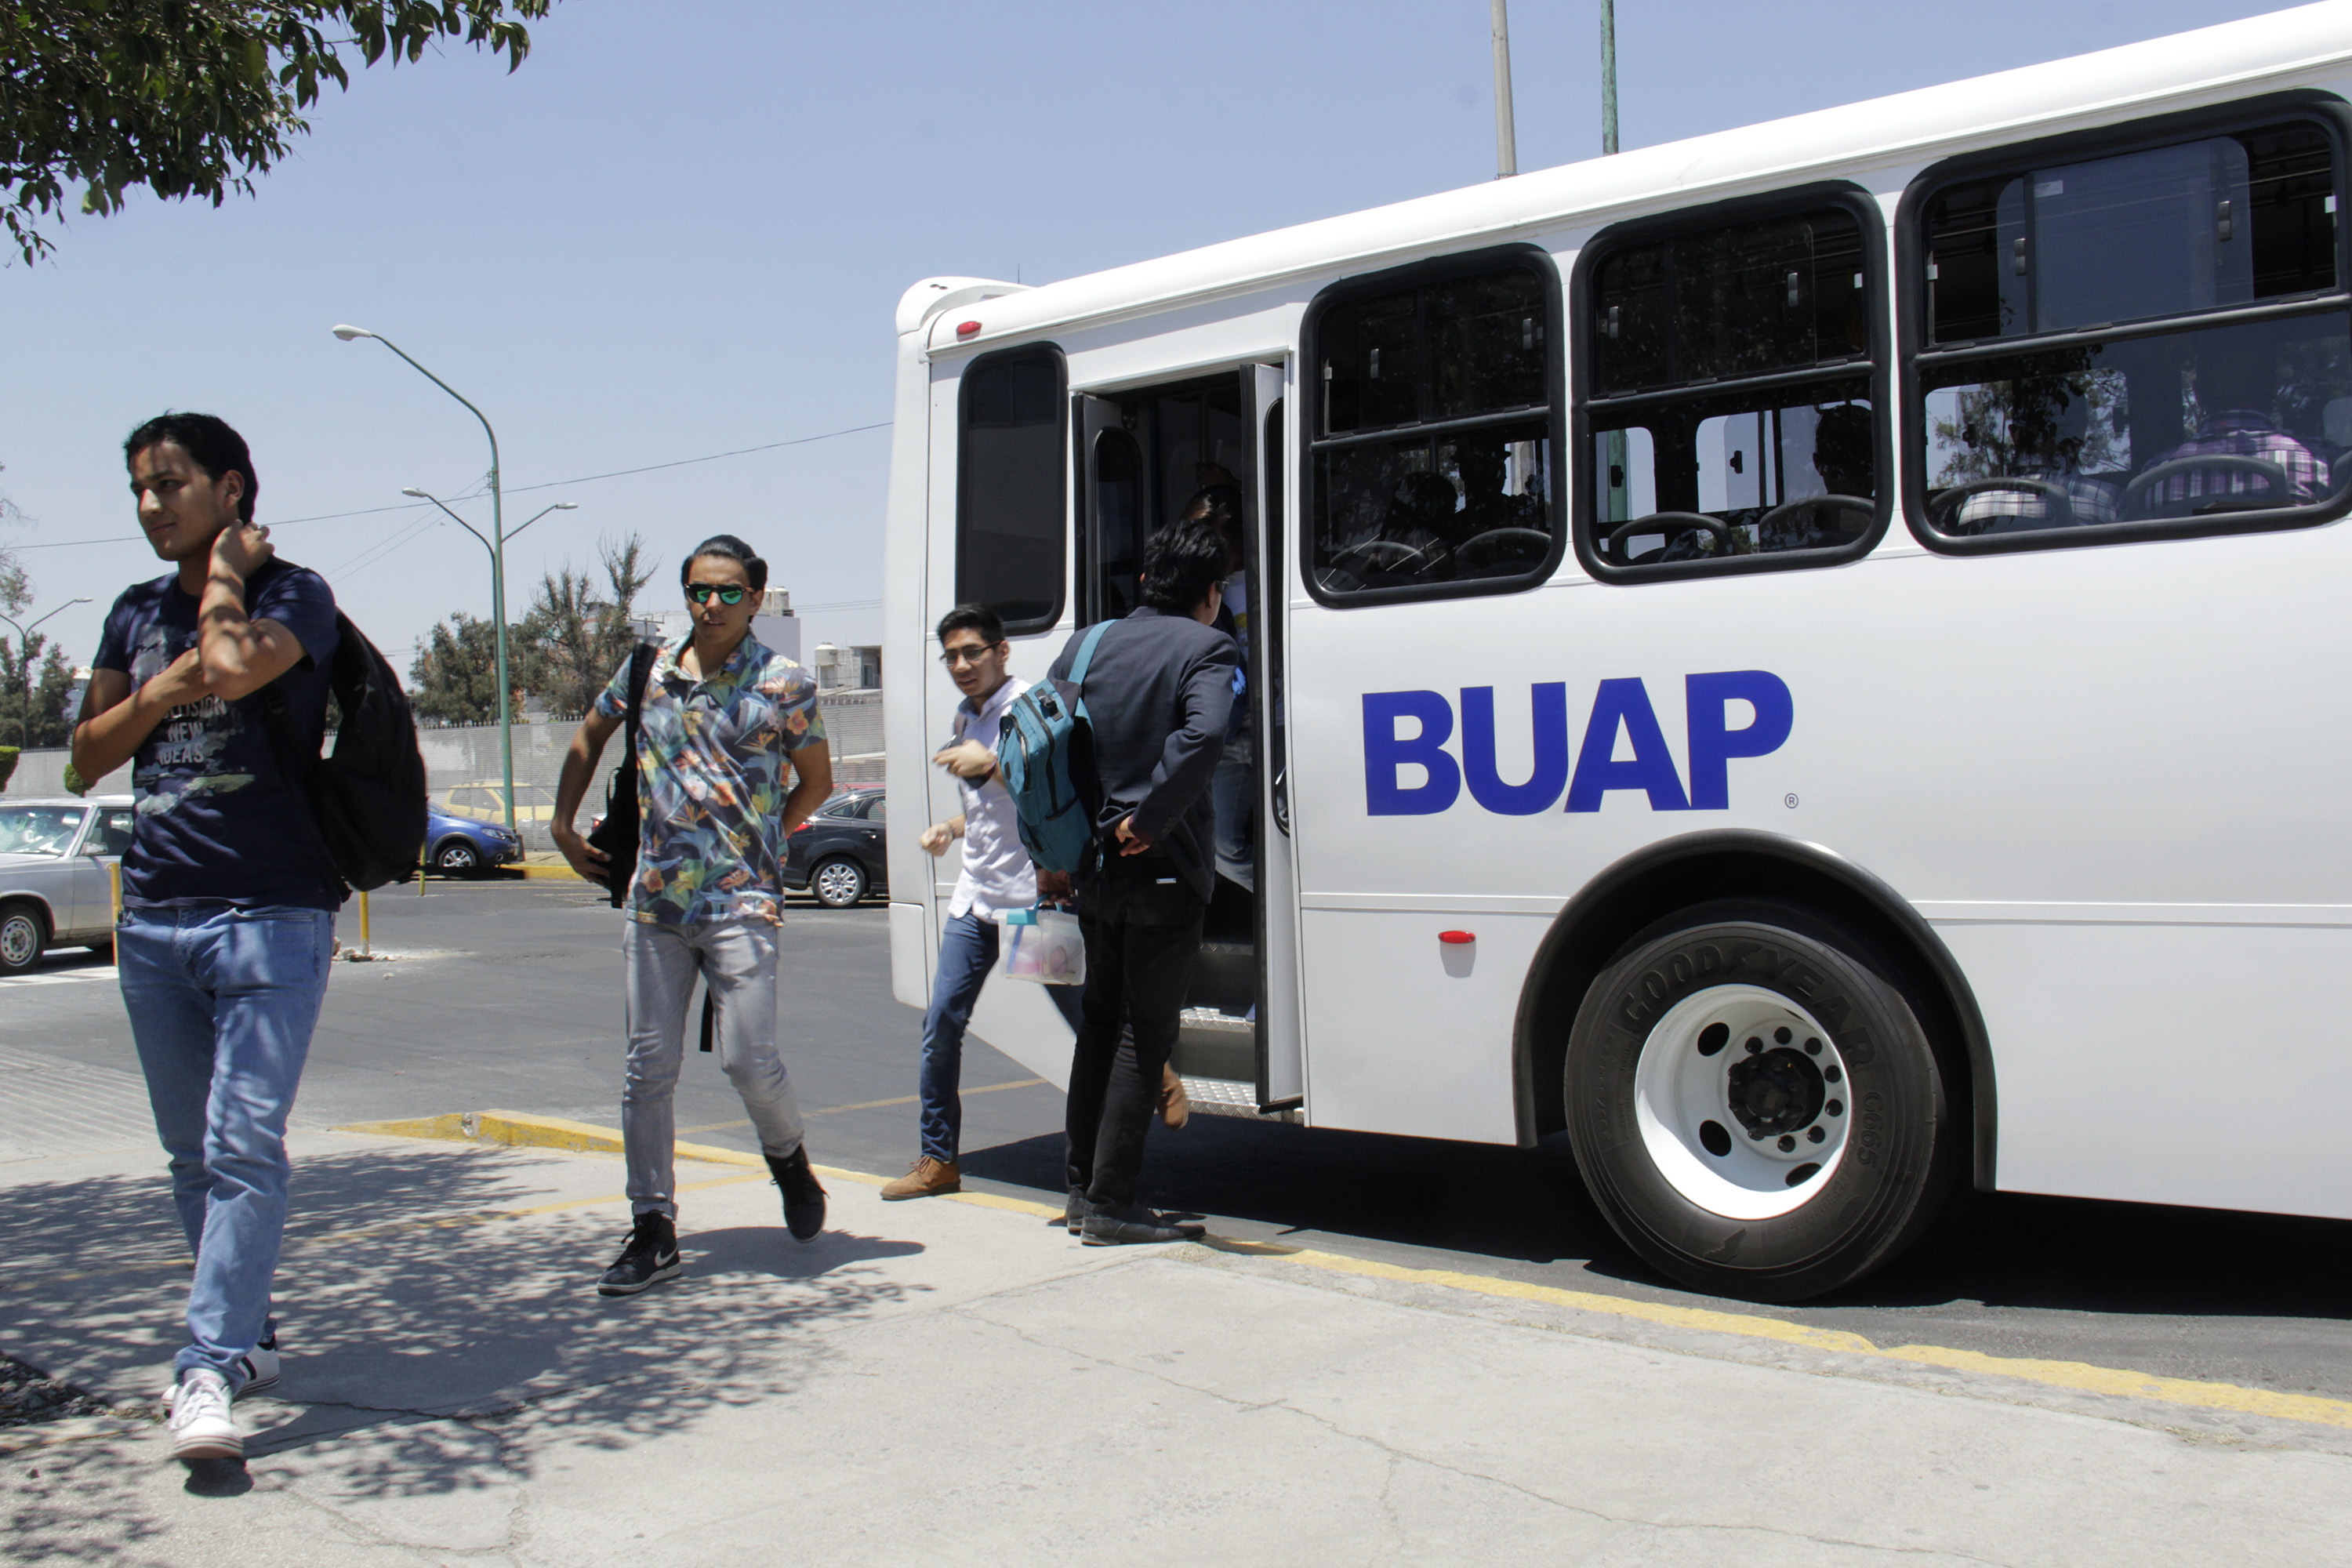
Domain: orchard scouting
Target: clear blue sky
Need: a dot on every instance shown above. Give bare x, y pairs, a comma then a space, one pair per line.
680, 229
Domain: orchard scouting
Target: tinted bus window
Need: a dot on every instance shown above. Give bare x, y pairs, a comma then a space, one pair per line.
1012, 529
1432, 459
2164, 417
1688, 464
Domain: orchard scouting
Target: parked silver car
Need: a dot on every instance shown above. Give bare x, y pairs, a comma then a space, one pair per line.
54, 888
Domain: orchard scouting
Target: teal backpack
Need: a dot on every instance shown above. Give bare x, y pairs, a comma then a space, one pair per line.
1037, 756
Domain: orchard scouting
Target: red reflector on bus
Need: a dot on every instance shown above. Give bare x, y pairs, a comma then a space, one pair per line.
1455, 937
966, 329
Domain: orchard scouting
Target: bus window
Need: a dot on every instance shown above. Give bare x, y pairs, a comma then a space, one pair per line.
2149, 411
1010, 525
1430, 465
1729, 396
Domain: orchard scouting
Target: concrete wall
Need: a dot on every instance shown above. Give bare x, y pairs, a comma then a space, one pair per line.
460, 756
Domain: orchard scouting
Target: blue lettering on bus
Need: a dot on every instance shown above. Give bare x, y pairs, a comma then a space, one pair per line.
1621, 706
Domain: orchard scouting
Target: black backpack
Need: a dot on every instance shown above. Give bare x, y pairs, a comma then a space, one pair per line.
367, 796
618, 835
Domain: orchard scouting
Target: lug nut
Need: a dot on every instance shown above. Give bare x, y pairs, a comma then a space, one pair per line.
1755, 1046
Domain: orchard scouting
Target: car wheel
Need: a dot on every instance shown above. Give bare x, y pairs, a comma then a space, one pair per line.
1756, 1107
838, 883
23, 934
457, 858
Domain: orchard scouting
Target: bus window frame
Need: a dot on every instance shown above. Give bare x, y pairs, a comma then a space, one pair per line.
2330, 113
1419, 275
1789, 202
1061, 600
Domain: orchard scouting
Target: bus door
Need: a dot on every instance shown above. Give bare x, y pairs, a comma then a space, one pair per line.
1281, 1076
1115, 503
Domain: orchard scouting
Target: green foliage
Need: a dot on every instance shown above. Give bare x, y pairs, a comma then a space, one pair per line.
192, 97
575, 640
52, 677
8, 765
75, 783
455, 675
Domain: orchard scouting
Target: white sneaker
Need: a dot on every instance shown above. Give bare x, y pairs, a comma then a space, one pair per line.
200, 1423
260, 1366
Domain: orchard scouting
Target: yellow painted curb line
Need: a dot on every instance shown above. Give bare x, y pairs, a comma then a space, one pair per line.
549, 873
2077, 1376
519, 1129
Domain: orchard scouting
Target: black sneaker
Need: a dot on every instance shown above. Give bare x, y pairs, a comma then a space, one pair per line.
1130, 1224
1074, 1210
803, 1198
650, 1257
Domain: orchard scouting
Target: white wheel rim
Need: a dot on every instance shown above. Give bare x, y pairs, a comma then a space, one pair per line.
1681, 1090
836, 883
20, 941
457, 859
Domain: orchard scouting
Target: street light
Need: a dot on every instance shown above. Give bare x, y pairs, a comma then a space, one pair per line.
24, 668
497, 541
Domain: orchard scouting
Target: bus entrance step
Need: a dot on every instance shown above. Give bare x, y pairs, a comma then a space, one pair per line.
1230, 1097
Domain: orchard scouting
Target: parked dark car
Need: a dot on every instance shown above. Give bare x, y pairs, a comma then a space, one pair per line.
461, 847
837, 854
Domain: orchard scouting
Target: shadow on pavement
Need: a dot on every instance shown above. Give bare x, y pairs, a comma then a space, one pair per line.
1529, 1207
413, 1325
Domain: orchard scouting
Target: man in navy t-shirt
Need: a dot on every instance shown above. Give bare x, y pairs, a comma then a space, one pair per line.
227, 900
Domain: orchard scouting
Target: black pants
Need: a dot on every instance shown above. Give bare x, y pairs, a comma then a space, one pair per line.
1142, 926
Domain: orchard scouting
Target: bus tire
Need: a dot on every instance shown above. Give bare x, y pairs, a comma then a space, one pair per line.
1754, 1106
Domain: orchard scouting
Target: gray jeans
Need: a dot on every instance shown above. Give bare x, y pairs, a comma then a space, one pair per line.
738, 959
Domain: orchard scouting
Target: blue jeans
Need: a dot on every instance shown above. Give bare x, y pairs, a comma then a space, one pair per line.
222, 1003
967, 953
1233, 789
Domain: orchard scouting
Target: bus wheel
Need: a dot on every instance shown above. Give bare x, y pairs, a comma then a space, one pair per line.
1754, 1106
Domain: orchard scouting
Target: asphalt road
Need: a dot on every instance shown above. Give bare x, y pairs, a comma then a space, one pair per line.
507, 995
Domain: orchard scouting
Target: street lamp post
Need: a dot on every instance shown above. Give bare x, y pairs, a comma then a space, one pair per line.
497, 591
25, 669
497, 543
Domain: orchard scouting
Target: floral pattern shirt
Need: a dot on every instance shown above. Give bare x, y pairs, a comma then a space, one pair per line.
712, 782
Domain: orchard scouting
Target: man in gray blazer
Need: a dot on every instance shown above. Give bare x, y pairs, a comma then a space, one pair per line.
1156, 693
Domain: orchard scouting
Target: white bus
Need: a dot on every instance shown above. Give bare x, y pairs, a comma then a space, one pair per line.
1799, 659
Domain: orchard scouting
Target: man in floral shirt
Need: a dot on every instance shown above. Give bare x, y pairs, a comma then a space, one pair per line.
723, 725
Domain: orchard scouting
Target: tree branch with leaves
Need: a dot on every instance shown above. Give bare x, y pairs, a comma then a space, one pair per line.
193, 98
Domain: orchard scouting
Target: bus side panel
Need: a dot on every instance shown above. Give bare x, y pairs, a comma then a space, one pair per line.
906, 525
1412, 1034
2175, 1064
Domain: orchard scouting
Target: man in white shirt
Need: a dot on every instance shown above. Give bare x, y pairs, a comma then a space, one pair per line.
997, 876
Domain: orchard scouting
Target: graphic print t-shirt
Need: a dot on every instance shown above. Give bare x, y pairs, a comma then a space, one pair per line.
215, 819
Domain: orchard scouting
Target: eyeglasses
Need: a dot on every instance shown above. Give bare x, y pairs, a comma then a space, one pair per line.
956, 656
732, 594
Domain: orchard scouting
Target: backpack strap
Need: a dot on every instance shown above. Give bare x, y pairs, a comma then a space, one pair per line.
640, 670
1086, 657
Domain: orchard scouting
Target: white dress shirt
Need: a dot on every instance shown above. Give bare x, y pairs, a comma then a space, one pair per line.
997, 875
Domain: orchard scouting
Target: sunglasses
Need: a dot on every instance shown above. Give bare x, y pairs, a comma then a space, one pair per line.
730, 594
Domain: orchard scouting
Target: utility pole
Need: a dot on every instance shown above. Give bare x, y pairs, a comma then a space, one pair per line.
1507, 139
1608, 74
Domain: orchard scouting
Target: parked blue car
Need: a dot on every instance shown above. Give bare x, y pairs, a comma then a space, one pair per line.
461, 847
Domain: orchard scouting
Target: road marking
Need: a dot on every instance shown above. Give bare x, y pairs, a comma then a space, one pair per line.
867, 1105
2082, 1377
59, 976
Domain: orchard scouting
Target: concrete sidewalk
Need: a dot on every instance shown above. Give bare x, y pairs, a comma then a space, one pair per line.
960, 1382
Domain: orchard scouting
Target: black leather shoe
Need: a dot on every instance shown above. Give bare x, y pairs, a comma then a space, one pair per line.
803, 1198
650, 1257
1131, 1225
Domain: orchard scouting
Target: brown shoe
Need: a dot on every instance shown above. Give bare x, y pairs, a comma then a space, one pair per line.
926, 1178
1175, 1110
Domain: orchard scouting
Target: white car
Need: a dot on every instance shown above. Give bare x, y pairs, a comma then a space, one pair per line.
53, 886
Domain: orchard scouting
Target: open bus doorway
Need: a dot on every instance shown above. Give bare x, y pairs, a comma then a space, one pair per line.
1148, 456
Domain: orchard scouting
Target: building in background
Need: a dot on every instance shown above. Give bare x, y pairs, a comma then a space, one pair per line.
776, 625
857, 668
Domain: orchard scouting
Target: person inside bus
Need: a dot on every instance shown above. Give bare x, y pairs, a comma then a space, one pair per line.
2049, 424
2236, 383
1488, 508
1844, 456
1234, 791
1159, 687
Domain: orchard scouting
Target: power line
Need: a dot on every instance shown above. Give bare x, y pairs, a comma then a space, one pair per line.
512, 491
